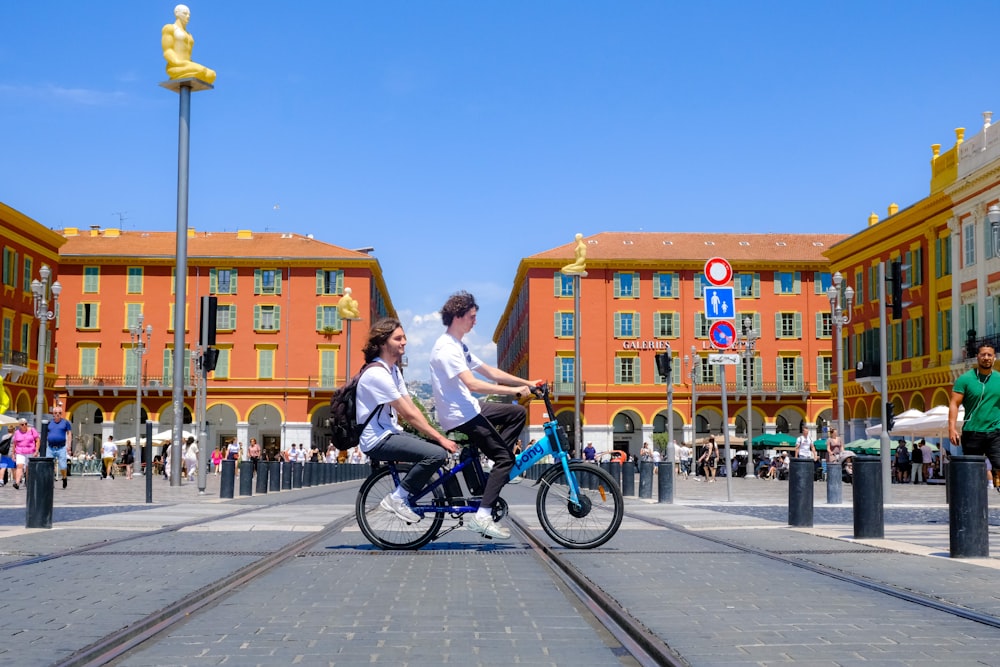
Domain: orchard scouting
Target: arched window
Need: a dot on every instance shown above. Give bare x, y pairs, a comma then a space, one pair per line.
623, 423
781, 425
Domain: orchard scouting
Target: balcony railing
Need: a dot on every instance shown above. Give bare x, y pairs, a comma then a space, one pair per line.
14, 358
992, 340
567, 389
758, 388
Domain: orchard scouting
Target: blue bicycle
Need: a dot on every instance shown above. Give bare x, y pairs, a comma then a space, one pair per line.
579, 505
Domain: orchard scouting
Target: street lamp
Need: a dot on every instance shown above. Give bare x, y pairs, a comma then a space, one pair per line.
40, 290
841, 304
749, 339
139, 347
993, 215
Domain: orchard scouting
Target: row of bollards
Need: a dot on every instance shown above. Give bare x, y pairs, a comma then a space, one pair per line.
968, 505
284, 475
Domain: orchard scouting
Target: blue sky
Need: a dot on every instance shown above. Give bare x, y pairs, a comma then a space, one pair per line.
458, 137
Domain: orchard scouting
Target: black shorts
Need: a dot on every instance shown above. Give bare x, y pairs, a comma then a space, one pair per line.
984, 444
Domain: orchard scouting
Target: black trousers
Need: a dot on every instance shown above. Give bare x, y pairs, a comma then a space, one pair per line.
495, 431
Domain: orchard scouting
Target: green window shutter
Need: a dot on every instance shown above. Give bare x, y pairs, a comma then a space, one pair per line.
635, 285
557, 283
340, 282
79, 316
618, 370
797, 283
777, 325
557, 317
213, 281
320, 274
256, 318
798, 373
698, 320
232, 317
618, 325
778, 376
657, 279
557, 370
232, 281
798, 325
636, 326
319, 318
277, 281
277, 318
756, 285
256, 281
819, 325
676, 325
168, 366
776, 280
637, 370
618, 285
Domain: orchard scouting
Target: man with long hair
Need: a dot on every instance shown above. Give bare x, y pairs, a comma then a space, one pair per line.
493, 427
382, 396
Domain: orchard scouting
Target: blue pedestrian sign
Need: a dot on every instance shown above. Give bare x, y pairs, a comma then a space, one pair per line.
720, 303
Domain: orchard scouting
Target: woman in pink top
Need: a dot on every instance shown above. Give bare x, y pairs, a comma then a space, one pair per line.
26, 441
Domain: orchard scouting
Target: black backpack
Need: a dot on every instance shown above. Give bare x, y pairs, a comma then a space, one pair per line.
344, 427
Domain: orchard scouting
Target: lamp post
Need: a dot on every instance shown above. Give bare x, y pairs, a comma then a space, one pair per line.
695, 359
139, 347
40, 290
841, 305
749, 340
993, 215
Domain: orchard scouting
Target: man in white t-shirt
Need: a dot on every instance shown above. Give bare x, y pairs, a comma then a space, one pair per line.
493, 427
382, 391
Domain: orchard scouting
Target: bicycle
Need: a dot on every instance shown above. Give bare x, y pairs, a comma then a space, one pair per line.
573, 516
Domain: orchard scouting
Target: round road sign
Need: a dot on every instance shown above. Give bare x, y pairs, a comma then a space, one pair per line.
718, 271
722, 334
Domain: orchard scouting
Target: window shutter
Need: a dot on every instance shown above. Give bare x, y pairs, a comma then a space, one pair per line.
213, 281
618, 370
618, 325
557, 284
618, 285
557, 370
675, 330
777, 325
797, 284
798, 373
320, 275
277, 281
819, 325
557, 317
232, 281
635, 285
636, 327
798, 325
340, 282
637, 370
657, 278
232, 317
256, 317
256, 281
79, 316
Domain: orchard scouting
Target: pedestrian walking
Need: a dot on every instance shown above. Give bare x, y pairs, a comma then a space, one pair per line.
979, 394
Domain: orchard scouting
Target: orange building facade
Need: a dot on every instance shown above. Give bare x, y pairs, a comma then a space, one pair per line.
282, 344
642, 294
27, 246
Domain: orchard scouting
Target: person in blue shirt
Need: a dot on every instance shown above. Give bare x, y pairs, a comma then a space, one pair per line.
589, 453
60, 438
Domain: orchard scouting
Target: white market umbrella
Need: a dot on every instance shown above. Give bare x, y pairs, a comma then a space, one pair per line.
166, 437
4, 419
901, 426
934, 423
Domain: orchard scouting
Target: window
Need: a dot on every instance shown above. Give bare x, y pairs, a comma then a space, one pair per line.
969, 237
564, 325
708, 373
222, 281
131, 366
701, 325
787, 282
26, 282
824, 373
756, 370
8, 335
895, 341
327, 368
859, 286
91, 279
266, 281
943, 330
10, 267
676, 374
790, 374
665, 285
824, 325
25, 336
225, 318
266, 318
329, 282
221, 371
265, 364
627, 370
913, 272
168, 366
328, 319
134, 280
88, 362
132, 312
666, 325
873, 283
564, 284
626, 285
914, 344
626, 325
822, 280
748, 285
86, 316
565, 374
942, 256
788, 325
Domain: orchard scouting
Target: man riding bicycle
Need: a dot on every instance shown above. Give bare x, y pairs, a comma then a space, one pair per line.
493, 427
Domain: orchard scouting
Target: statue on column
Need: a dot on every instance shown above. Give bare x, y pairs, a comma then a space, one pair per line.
177, 46
579, 265
347, 307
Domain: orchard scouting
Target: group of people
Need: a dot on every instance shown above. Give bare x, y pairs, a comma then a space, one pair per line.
24, 441
914, 465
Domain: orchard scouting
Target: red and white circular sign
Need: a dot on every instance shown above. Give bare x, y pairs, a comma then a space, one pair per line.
718, 271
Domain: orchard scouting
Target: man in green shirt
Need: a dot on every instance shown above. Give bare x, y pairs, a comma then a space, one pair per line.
979, 394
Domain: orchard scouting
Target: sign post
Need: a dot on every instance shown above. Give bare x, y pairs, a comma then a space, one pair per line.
720, 306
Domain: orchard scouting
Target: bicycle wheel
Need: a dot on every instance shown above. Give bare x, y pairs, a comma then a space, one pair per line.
588, 524
385, 529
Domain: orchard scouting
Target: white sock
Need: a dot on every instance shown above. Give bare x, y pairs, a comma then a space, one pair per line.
484, 513
400, 493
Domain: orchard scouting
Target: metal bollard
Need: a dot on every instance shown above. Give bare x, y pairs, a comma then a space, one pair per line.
286, 475
296, 475
262, 470
665, 483
616, 472
39, 490
869, 520
307, 473
227, 485
800, 492
646, 479
628, 478
246, 478
834, 483
274, 475
968, 508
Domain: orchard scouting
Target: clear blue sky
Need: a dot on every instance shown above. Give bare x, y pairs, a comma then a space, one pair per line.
458, 137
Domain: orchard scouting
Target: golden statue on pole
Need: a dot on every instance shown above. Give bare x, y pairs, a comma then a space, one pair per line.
579, 265
177, 46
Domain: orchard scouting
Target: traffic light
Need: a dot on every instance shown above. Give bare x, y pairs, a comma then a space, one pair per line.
210, 360
664, 364
897, 290
890, 417
209, 306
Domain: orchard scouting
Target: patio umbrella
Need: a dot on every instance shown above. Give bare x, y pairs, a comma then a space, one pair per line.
901, 427
774, 440
934, 423
166, 437
5, 419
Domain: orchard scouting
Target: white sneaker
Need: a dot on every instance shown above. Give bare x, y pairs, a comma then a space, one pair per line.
488, 528
398, 507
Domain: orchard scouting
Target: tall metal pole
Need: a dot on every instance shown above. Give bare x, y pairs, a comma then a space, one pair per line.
841, 304
577, 382
694, 408
751, 338
40, 292
670, 412
180, 279
884, 372
725, 437
347, 353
